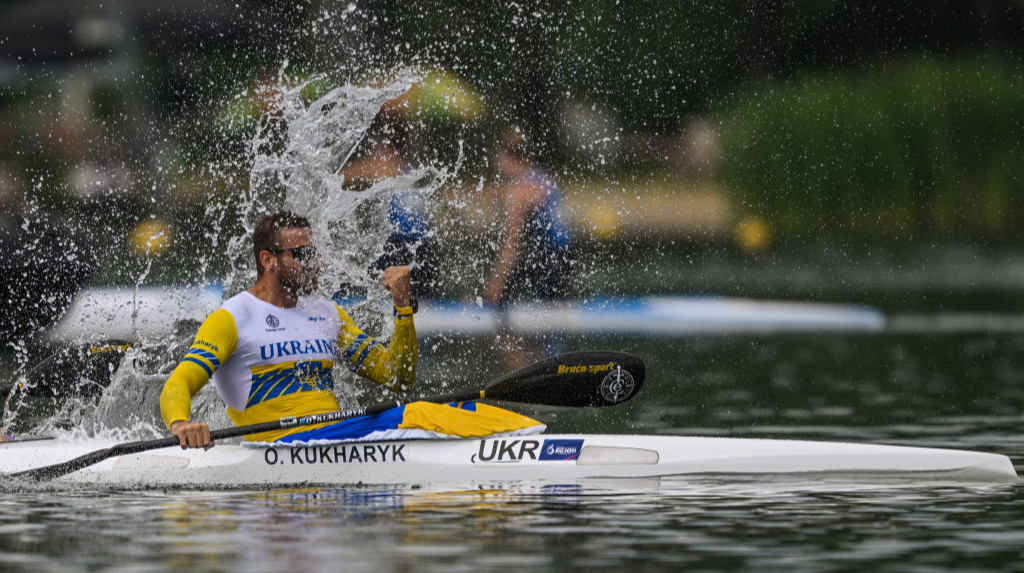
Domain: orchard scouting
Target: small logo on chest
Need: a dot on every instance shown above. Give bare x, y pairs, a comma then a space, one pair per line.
273, 322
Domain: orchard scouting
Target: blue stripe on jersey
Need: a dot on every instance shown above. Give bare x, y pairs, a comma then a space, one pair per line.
199, 362
304, 377
287, 387
362, 356
263, 383
355, 346
200, 352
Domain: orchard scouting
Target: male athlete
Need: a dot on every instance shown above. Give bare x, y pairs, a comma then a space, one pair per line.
270, 349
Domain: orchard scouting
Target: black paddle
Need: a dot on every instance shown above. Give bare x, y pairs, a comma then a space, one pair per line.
575, 379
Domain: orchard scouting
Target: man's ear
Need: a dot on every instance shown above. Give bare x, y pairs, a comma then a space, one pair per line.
268, 261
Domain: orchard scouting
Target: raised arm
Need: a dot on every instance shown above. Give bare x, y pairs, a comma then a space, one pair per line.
393, 366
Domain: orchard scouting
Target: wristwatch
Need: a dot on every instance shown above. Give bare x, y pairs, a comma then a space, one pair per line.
413, 303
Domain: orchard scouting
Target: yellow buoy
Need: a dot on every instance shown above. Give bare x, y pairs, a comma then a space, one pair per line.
604, 221
151, 238
442, 95
753, 235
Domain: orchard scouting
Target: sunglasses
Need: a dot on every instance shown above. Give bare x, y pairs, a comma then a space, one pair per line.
303, 253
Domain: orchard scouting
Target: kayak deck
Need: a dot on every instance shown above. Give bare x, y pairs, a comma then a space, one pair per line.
547, 458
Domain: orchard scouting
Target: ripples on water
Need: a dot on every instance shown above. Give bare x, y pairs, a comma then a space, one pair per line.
677, 524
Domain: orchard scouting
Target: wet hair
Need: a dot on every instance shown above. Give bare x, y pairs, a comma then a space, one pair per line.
267, 234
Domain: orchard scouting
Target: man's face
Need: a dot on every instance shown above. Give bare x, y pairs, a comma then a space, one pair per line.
504, 162
298, 261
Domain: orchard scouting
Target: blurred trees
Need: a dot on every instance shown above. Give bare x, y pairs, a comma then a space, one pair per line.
920, 147
656, 61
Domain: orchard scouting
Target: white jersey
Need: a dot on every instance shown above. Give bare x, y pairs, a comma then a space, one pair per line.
269, 362
275, 344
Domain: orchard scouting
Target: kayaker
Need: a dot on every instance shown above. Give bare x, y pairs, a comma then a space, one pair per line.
270, 351
535, 257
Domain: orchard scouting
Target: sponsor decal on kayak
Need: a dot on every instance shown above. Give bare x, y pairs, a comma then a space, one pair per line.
561, 449
339, 454
584, 368
511, 451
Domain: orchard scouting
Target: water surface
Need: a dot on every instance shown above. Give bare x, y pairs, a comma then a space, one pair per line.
942, 389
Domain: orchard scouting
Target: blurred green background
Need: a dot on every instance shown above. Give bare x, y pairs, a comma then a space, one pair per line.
754, 124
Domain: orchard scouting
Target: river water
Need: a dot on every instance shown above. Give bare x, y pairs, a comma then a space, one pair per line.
948, 373
947, 389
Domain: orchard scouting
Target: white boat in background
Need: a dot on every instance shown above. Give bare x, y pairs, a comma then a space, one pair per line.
553, 458
130, 314
650, 316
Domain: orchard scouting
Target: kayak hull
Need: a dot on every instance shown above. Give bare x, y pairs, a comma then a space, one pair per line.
545, 458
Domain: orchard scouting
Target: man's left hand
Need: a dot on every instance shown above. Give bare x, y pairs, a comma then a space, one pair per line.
398, 280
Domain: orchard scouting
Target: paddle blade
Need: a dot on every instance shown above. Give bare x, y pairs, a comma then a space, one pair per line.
574, 379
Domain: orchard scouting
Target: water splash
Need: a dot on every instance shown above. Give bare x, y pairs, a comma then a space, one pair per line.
302, 175
295, 158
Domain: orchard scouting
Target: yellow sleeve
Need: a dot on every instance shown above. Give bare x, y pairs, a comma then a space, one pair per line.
393, 367
214, 344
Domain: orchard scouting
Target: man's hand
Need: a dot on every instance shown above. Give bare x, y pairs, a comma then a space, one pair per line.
192, 434
398, 280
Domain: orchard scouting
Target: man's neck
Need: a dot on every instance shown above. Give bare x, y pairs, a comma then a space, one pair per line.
272, 292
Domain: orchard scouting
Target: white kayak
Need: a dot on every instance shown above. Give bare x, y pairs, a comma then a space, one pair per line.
552, 458
133, 313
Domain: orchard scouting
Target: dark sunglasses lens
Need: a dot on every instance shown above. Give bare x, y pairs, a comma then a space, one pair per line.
304, 253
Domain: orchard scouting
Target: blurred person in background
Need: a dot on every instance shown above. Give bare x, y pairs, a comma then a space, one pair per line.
391, 152
535, 254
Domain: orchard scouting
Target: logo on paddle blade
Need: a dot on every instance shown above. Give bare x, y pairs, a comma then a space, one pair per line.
617, 385
583, 368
